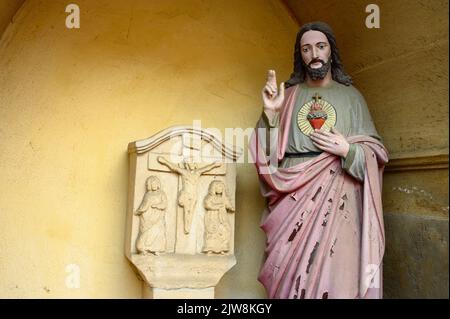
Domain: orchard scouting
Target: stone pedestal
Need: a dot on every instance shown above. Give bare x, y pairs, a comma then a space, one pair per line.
182, 276
180, 219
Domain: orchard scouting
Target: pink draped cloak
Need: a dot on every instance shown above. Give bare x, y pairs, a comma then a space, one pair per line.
324, 228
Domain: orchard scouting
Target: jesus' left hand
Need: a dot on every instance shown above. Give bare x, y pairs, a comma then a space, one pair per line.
331, 142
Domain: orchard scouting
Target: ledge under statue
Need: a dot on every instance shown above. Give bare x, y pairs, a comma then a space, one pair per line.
320, 162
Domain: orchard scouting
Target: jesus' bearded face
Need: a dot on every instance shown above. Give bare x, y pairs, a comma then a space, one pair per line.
316, 53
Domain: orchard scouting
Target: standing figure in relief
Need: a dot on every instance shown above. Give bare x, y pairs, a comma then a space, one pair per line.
217, 228
190, 175
152, 225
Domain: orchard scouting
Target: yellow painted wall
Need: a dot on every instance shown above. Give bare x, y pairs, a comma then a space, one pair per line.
71, 101
7, 10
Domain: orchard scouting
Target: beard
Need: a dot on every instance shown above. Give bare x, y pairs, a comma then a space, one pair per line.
319, 73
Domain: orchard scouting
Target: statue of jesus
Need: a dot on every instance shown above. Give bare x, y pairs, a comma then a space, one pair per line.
324, 219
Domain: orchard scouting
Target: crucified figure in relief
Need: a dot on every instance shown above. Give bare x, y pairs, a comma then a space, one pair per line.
190, 175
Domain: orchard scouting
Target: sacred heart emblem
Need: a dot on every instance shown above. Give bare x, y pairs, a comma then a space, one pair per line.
316, 114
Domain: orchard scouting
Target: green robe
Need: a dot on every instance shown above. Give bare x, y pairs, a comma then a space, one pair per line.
352, 118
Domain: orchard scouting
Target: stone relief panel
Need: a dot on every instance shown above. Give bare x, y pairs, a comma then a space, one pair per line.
180, 219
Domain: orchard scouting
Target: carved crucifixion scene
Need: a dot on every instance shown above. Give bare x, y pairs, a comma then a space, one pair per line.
180, 221
190, 175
